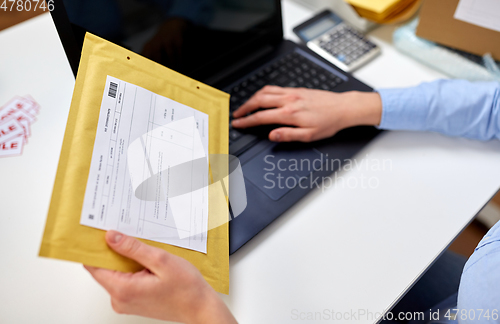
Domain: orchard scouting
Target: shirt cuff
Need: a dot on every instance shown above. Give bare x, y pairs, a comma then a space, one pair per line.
403, 109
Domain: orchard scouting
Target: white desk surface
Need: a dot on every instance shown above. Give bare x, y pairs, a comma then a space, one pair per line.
343, 249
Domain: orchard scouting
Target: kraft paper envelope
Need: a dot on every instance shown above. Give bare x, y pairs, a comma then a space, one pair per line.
64, 237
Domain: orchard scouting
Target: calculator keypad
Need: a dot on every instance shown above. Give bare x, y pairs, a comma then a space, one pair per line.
345, 44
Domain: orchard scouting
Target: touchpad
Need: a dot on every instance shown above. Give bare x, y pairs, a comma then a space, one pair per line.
278, 169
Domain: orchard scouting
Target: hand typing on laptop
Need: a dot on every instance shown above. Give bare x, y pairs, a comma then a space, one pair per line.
313, 114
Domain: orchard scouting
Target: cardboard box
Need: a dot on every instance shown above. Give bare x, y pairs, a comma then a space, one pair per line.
438, 25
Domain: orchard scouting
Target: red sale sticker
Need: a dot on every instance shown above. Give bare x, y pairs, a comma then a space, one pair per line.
9, 129
24, 104
16, 118
23, 117
12, 147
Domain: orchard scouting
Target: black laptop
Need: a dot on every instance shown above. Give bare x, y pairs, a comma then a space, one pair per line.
236, 46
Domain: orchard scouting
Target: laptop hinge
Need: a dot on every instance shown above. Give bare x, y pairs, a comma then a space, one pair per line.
240, 64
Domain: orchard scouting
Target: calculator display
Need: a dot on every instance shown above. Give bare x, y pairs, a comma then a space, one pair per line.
333, 39
314, 30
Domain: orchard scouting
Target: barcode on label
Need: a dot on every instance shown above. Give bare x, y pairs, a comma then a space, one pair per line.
113, 87
91, 216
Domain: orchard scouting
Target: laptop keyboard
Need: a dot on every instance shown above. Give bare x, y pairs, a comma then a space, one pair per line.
291, 70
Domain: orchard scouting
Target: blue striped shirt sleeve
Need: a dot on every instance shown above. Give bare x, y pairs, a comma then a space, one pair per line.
451, 107
479, 292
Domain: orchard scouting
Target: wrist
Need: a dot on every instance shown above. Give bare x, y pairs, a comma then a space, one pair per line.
366, 108
210, 309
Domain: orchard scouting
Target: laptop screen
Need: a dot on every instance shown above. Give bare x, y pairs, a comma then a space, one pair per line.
195, 37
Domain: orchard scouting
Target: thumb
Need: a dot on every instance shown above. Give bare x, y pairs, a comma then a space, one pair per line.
149, 256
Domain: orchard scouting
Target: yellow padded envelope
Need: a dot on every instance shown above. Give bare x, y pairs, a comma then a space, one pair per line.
376, 6
64, 237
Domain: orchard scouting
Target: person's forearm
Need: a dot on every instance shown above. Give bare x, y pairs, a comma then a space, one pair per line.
451, 107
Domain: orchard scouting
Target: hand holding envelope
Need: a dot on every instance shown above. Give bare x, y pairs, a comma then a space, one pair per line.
64, 237
172, 289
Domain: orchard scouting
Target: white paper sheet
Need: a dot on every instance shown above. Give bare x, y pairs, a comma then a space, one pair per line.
483, 13
149, 170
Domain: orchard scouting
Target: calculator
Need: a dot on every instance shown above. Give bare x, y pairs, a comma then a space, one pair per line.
329, 36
